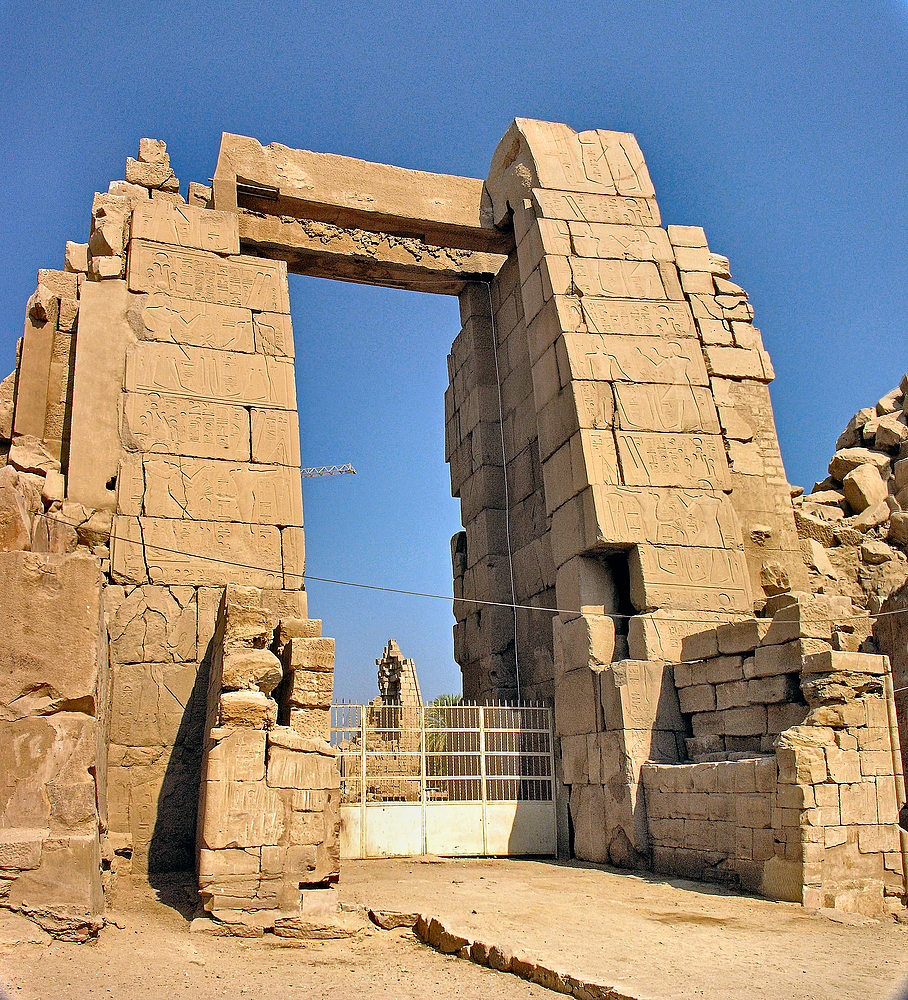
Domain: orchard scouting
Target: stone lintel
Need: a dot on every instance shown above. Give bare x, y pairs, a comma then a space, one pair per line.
325, 250
276, 180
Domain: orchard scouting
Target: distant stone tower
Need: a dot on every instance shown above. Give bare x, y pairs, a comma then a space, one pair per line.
397, 680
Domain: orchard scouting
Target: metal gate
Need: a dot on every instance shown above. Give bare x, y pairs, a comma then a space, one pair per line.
445, 779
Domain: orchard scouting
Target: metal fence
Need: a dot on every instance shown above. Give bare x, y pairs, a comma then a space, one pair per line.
439, 756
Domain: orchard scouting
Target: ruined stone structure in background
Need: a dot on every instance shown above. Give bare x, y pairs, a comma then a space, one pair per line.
611, 440
397, 680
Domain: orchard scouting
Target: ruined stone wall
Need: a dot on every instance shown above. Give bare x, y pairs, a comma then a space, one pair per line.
269, 809
53, 732
485, 636
175, 428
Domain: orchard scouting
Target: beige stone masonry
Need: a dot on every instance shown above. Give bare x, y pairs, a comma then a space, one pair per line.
635, 359
164, 423
163, 317
216, 376
194, 274
185, 226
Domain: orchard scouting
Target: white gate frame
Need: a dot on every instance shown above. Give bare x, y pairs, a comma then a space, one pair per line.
470, 824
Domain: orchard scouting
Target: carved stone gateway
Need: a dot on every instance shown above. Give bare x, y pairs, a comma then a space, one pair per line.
611, 440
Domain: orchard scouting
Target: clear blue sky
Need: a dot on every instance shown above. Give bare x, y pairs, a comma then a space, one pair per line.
779, 127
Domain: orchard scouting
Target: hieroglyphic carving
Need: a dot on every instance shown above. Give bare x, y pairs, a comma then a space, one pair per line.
186, 226
273, 334
596, 161
575, 206
635, 359
195, 274
276, 437
196, 553
200, 324
673, 460
206, 490
175, 425
594, 458
666, 516
221, 376
619, 242
621, 279
669, 408
629, 316
697, 579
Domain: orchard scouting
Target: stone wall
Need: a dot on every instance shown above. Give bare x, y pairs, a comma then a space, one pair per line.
269, 812
53, 729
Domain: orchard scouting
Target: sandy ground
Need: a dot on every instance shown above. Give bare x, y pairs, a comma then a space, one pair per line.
153, 956
654, 938
661, 938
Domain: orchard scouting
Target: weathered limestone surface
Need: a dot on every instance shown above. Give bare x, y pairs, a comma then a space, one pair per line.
269, 812
53, 721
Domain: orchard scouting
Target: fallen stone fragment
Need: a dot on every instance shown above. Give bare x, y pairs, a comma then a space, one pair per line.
875, 552
846, 459
864, 487
251, 669
388, 920
891, 432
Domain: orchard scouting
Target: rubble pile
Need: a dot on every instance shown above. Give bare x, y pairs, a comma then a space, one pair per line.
853, 525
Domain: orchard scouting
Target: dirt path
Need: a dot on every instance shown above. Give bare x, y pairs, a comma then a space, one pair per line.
660, 938
154, 957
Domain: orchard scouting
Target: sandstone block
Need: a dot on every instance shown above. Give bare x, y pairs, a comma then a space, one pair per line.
848, 459
241, 814
247, 708
151, 175
698, 698
308, 654
249, 282
311, 723
864, 487
75, 258
162, 317
236, 754
251, 669
185, 226
52, 602
742, 637
302, 769
891, 432
153, 151
309, 689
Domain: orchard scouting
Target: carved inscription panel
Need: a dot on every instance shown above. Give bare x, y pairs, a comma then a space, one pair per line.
697, 579
673, 460
206, 490
221, 376
174, 425
670, 408
186, 226
624, 279
635, 359
195, 553
594, 239
273, 334
276, 437
629, 316
194, 274
688, 517
579, 207
200, 324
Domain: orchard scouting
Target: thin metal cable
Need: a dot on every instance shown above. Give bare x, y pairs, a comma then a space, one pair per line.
504, 473
674, 612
